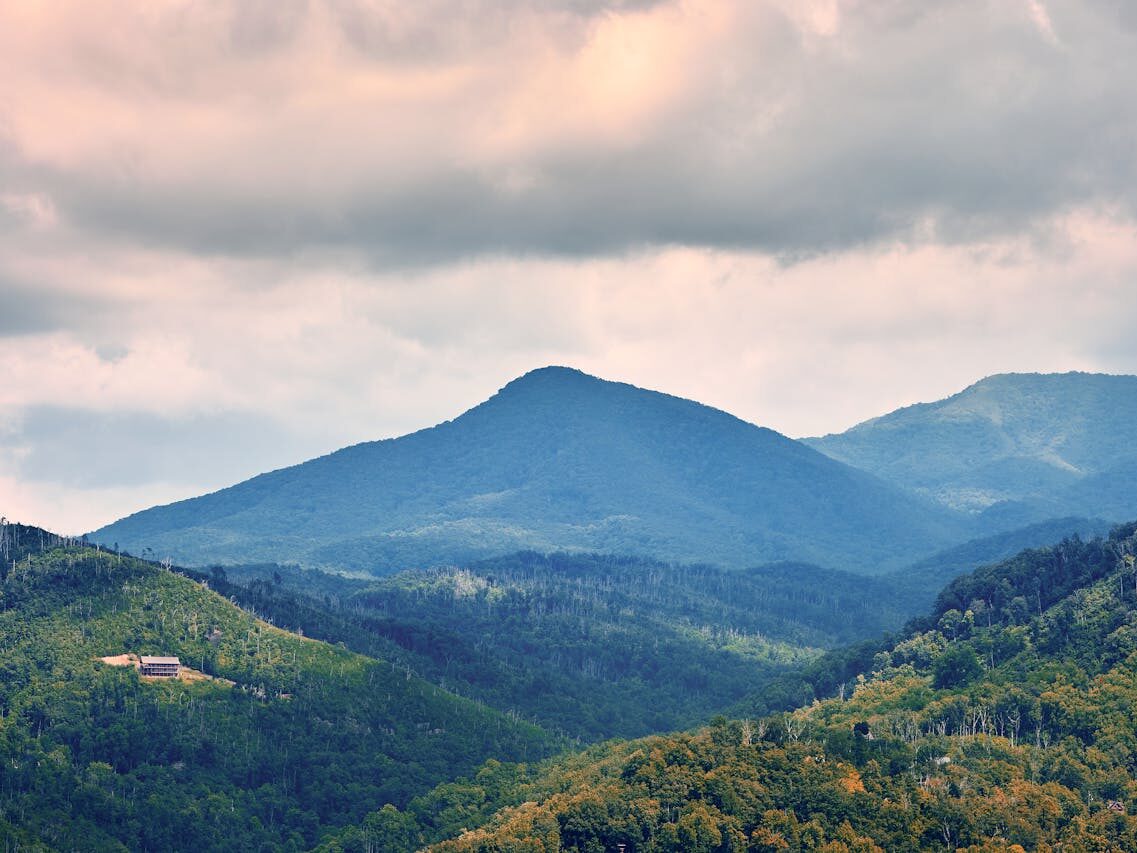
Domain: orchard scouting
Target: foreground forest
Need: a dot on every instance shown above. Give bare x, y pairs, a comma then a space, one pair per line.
1006, 716
291, 737
1005, 720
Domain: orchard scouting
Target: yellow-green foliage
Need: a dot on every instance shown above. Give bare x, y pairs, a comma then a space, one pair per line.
1033, 749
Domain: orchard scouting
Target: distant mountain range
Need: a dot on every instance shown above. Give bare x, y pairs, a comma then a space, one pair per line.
557, 461
1013, 449
562, 461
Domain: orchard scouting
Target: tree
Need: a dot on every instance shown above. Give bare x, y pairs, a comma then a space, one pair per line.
390, 831
958, 665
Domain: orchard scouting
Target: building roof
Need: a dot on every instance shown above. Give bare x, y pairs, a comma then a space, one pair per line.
148, 660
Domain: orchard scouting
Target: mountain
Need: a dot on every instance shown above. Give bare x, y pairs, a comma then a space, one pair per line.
1015, 448
590, 645
270, 742
1008, 725
556, 461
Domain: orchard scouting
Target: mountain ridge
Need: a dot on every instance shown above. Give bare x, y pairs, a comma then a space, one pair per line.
556, 460
1012, 448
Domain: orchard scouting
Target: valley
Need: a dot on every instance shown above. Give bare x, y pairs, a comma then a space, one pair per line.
447, 640
1003, 727
592, 646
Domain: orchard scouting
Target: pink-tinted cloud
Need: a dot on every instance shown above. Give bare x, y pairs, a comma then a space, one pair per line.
428, 132
338, 220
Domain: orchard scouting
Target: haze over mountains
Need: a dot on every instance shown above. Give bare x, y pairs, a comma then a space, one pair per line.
562, 461
557, 460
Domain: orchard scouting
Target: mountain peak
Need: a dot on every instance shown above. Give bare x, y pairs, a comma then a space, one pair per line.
552, 377
1002, 381
556, 460
569, 392
553, 372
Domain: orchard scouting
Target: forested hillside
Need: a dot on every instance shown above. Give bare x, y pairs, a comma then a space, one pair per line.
915, 587
557, 461
1005, 720
288, 739
1017, 448
591, 646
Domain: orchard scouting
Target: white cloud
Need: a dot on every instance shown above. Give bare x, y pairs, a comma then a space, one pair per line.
347, 220
436, 132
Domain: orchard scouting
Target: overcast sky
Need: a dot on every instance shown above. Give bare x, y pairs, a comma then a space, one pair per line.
236, 234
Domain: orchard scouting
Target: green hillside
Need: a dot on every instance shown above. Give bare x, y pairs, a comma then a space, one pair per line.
288, 739
1005, 720
598, 646
1019, 448
592, 646
915, 587
556, 461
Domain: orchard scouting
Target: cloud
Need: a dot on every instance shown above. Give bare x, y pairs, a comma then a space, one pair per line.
1042, 21
424, 133
276, 228
215, 371
29, 310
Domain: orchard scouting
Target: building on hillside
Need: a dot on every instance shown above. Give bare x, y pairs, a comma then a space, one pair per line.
159, 667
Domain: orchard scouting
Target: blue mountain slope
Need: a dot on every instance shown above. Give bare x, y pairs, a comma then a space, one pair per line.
1015, 448
557, 460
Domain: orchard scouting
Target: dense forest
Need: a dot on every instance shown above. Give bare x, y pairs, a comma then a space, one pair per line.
1005, 716
915, 587
589, 646
1005, 720
280, 739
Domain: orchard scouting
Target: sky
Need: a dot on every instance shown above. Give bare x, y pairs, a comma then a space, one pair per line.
237, 234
